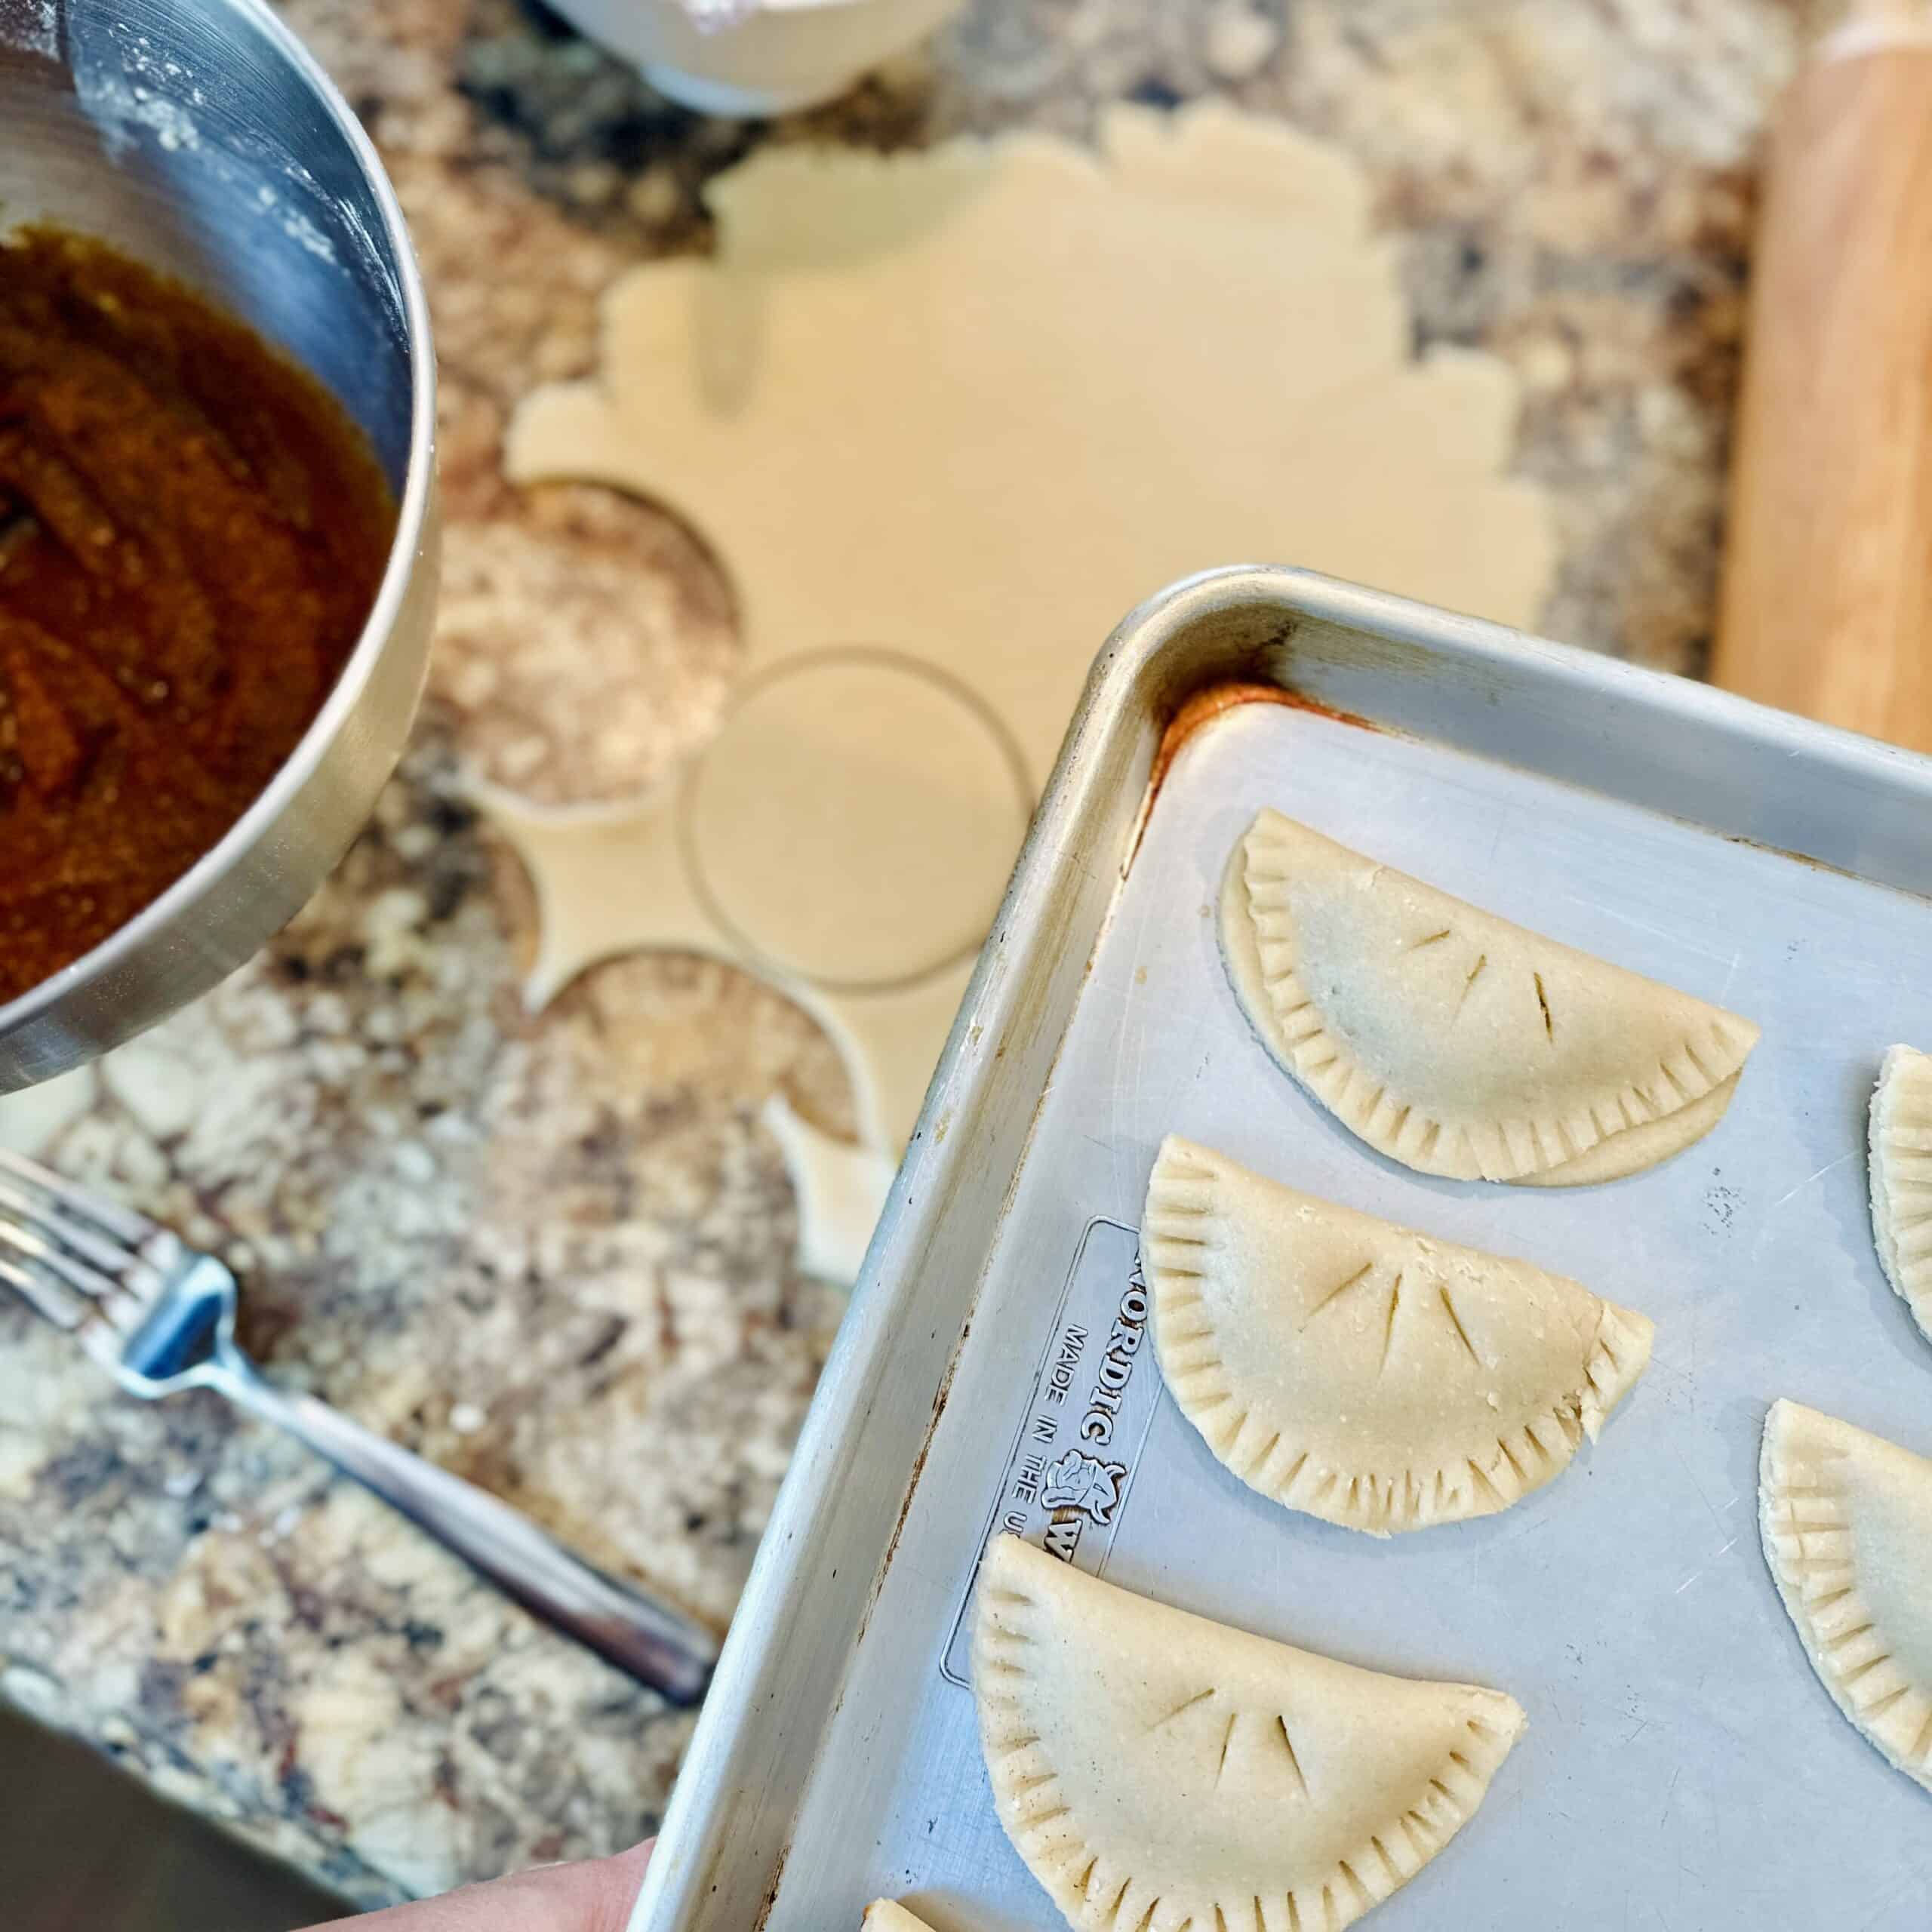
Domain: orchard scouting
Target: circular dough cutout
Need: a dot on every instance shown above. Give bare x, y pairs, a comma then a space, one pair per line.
855, 820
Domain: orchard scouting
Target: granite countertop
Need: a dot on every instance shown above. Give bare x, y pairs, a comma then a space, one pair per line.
554, 1252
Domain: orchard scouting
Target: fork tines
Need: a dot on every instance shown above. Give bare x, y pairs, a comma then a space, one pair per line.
72, 1254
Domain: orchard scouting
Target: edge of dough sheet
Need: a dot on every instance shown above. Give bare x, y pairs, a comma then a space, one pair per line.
592, 867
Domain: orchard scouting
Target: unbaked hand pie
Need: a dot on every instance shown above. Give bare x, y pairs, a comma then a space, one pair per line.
1901, 1177
883, 1915
1157, 1771
1454, 1041
1360, 1372
1847, 1523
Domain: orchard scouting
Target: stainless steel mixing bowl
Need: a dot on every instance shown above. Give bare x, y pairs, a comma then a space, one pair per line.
199, 136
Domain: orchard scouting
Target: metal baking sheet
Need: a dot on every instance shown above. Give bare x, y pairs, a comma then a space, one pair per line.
1683, 1767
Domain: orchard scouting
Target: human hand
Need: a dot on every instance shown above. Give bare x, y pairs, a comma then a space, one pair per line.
595, 1897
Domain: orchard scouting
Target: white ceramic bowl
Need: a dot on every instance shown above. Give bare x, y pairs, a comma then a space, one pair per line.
763, 57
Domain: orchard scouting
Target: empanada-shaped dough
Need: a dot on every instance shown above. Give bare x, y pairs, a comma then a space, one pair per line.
883, 1915
1901, 1176
1157, 1771
1847, 1522
1454, 1041
1369, 1376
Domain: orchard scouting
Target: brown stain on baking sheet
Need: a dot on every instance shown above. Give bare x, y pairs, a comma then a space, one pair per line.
1216, 700
1202, 708
763, 1915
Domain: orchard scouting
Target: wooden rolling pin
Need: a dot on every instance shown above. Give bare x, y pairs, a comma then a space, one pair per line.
1827, 597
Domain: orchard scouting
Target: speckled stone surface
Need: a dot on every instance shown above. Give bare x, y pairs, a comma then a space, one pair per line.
553, 1253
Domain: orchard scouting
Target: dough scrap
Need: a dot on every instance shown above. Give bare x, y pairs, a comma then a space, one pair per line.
1901, 1178
1846, 1522
1360, 1372
1455, 1042
1156, 1770
840, 1188
883, 1915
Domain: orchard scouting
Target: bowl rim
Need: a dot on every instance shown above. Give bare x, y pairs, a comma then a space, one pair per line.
406, 545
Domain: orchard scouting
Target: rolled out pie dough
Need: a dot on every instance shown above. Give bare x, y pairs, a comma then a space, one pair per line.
1158, 1771
958, 411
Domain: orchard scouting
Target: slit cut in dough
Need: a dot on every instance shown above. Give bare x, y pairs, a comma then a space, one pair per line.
1361, 1373
1454, 1041
883, 1915
1901, 1176
1156, 1770
1847, 1523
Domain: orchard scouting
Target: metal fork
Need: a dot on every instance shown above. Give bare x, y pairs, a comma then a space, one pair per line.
160, 1316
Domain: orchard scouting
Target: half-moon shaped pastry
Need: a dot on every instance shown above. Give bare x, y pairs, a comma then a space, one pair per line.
1156, 1770
883, 1915
1901, 1178
1846, 1522
1368, 1375
1454, 1041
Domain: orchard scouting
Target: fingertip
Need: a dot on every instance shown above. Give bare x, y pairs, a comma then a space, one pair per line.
619, 1877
